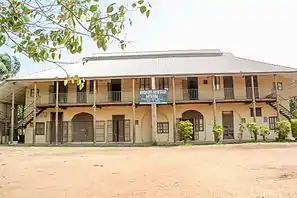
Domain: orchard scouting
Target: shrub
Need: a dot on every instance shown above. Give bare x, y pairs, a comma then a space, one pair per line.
242, 129
283, 128
217, 132
185, 130
264, 131
294, 127
254, 129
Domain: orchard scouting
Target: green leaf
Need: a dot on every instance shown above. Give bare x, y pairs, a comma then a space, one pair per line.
148, 13
142, 9
109, 9
134, 5
113, 31
79, 49
93, 8
140, 2
109, 25
53, 55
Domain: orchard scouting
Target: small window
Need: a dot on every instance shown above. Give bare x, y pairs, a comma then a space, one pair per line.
280, 86
258, 112
217, 83
265, 119
205, 82
91, 86
136, 122
145, 83
162, 83
162, 127
40, 128
243, 120
272, 122
32, 92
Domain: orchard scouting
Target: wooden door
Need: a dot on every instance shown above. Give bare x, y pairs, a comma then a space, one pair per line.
118, 128
248, 87
228, 87
228, 124
192, 85
52, 132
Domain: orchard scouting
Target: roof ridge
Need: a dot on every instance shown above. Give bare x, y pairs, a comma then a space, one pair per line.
277, 65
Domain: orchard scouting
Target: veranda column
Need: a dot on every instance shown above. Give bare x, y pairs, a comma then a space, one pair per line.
57, 112
94, 111
133, 111
12, 117
34, 114
154, 114
253, 99
277, 98
214, 101
174, 109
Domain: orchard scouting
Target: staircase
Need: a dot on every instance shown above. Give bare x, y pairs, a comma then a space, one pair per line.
283, 110
25, 120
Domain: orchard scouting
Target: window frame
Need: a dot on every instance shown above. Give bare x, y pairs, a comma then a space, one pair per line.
217, 80
272, 122
32, 92
91, 86
257, 112
145, 84
37, 128
163, 127
163, 83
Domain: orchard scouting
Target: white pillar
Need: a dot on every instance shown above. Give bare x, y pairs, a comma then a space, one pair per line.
214, 101
253, 98
57, 112
94, 111
133, 111
277, 98
174, 109
12, 117
154, 114
34, 114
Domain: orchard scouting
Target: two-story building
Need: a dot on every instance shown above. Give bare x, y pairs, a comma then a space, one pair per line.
203, 86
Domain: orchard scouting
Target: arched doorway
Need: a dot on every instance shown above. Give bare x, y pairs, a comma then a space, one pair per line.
82, 127
196, 118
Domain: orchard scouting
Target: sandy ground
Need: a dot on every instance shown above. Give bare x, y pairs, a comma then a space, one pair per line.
251, 170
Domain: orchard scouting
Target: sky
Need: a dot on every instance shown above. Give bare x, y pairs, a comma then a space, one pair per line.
259, 30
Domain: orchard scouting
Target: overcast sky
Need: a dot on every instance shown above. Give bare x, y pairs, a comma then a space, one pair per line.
257, 29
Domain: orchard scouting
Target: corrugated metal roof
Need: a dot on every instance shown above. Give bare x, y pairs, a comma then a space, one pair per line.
170, 63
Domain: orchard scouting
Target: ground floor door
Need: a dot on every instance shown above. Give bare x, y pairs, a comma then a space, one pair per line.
228, 124
2, 132
52, 132
118, 128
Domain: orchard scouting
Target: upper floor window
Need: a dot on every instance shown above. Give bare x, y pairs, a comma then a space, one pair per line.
91, 86
32, 92
279, 85
162, 83
217, 82
258, 112
145, 83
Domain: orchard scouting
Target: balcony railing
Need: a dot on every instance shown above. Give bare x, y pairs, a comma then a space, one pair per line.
190, 94
228, 93
249, 92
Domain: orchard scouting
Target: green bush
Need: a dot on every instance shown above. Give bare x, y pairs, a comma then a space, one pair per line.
254, 129
264, 131
185, 130
242, 129
283, 128
294, 127
217, 132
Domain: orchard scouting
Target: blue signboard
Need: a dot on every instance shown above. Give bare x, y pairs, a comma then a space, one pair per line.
153, 97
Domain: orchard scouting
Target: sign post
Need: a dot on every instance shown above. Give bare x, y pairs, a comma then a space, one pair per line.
153, 97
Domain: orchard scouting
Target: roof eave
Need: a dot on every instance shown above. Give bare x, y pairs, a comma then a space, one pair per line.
160, 75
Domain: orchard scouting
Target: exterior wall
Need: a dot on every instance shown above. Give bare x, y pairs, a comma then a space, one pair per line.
164, 112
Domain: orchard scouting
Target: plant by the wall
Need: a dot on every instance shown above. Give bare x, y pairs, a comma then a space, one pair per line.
185, 130
294, 127
264, 131
283, 128
217, 130
254, 129
242, 130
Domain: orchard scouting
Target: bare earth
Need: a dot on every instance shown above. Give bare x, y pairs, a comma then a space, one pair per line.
251, 170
